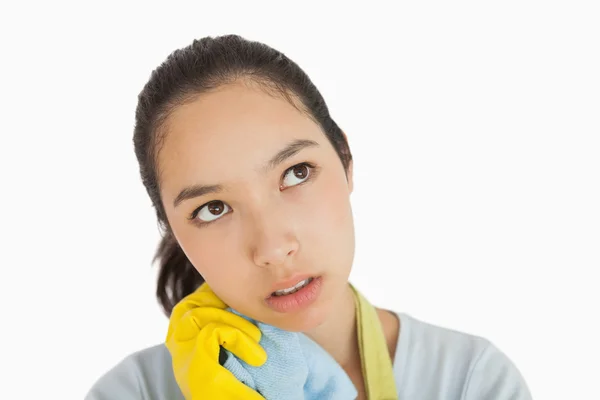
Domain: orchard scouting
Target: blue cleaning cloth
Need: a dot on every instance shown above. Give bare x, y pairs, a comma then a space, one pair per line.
297, 368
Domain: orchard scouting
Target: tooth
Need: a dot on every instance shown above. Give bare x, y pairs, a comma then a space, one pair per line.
294, 288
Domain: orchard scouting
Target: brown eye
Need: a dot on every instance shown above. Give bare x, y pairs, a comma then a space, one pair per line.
216, 208
212, 211
300, 171
296, 175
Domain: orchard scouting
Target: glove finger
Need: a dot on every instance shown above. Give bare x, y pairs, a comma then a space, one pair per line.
205, 363
199, 298
242, 345
214, 335
195, 320
204, 297
200, 376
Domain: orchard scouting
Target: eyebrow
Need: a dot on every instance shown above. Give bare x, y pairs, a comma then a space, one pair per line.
288, 151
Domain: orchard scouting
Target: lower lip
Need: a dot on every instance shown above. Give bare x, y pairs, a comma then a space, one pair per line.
298, 300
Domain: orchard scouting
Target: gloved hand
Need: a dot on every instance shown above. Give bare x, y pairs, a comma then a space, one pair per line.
198, 326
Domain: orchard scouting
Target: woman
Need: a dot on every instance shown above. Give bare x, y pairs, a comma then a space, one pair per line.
251, 179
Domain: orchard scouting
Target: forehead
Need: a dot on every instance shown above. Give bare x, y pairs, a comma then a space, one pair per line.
235, 127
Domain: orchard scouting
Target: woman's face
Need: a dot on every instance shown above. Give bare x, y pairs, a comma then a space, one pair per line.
258, 200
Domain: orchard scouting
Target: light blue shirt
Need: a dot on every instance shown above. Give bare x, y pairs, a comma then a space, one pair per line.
431, 363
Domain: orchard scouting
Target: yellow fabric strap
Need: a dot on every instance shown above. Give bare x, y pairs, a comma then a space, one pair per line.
377, 367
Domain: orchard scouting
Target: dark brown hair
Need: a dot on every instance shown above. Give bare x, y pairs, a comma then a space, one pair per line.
205, 65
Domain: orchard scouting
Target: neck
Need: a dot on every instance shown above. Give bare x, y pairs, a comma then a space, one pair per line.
338, 335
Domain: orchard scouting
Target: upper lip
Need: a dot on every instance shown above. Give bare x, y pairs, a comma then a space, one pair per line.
289, 282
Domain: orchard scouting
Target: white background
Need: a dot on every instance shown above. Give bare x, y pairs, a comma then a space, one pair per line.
475, 129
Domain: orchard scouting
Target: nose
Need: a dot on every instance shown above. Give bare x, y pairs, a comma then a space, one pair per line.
273, 240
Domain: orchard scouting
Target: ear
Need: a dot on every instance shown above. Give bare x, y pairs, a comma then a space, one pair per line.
350, 171
350, 176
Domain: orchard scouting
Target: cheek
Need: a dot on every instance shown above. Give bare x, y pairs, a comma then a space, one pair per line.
333, 202
326, 215
223, 269
207, 252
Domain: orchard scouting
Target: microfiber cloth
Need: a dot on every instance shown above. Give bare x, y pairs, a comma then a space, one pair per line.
297, 368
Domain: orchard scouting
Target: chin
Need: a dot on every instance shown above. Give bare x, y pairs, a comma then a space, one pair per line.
304, 323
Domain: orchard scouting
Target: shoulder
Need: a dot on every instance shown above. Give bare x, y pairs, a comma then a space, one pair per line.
146, 374
450, 365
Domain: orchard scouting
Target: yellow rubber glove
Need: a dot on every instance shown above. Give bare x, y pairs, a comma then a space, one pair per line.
199, 324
